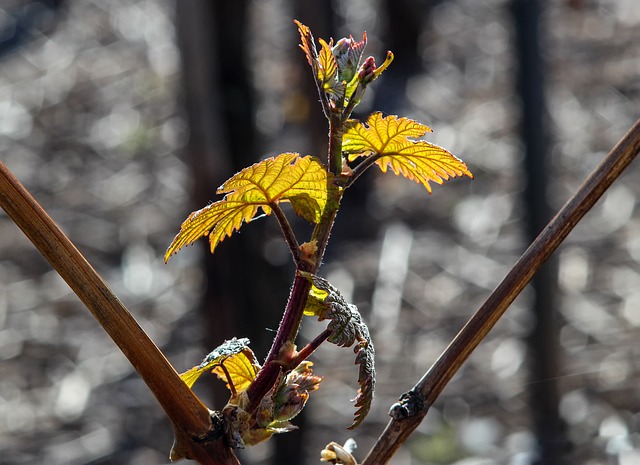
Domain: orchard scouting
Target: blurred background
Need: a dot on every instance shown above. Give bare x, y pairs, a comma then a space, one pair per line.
121, 117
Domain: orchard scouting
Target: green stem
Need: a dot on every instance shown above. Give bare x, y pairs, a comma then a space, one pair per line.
336, 132
321, 235
351, 105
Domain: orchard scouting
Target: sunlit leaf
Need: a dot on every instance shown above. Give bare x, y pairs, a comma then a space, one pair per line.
315, 303
241, 369
347, 327
302, 181
307, 44
387, 139
238, 359
328, 67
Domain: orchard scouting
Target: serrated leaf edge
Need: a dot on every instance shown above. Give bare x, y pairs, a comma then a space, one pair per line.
392, 147
244, 195
348, 327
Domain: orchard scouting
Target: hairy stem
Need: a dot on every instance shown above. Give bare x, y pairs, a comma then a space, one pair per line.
294, 311
434, 381
287, 332
292, 317
293, 314
190, 417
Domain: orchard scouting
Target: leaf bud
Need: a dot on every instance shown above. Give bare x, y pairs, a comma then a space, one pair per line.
292, 395
367, 71
348, 53
336, 454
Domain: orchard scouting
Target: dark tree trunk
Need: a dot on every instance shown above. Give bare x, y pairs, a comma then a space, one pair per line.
244, 294
543, 342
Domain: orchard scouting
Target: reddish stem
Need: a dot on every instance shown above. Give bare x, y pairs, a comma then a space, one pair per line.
294, 311
287, 331
307, 350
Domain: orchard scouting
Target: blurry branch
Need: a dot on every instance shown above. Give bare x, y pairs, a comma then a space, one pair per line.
414, 405
195, 433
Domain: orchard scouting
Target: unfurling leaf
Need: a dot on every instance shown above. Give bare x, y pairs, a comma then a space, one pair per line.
302, 181
328, 72
338, 70
347, 327
238, 360
307, 44
348, 53
367, 73
293, 393
387, 139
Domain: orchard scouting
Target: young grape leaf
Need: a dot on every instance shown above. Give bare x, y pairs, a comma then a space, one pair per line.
302, 181
347, 327
307, 45
328, 71
387, 139
238, 370
335, 453
239, 361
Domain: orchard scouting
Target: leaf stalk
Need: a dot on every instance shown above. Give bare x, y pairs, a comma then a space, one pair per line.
287, 232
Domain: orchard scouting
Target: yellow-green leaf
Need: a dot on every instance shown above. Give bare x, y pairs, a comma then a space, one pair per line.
239, 361
242, 369
387, 139
328, 68
302, 181
315, 305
